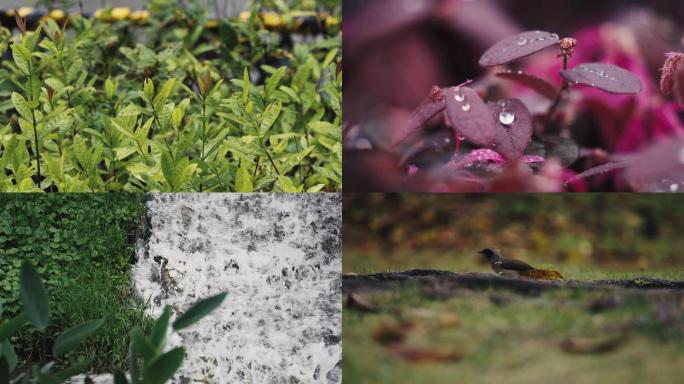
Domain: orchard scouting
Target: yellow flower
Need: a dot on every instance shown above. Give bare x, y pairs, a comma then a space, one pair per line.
57, 14
120, 13
140, 15
271, 19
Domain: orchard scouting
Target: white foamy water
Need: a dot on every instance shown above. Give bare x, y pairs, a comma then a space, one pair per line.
279, 258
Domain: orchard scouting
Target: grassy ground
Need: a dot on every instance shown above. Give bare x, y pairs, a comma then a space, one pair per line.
82, 245
505, 338
501, 337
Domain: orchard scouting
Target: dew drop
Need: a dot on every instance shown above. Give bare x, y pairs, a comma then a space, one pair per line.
461, 138
459, 97
506, 118
466, 107
522, 41
554, 36
674, 187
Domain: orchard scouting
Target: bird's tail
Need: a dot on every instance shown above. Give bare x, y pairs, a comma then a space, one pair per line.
542, 274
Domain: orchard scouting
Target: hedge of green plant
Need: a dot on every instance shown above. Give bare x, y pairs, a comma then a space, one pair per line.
82, 245
172, 103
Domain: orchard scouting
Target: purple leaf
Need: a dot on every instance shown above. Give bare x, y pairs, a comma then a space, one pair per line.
513, 127
425, 111
537, 84
469, 115
518, 46
489, 155
599, 170
480, 156
607, 77
659, 167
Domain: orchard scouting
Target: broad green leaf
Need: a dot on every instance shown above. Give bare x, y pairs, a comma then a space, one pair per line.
163, 94
269, 117
72, 337
329, 57
133, 364
22, 57
148, 90
141, 345
168, 169
7, 353
199, 310
243, 180
11, 326
21, 105
44, 378
285, 184
4, 370
120, 377
162, 368
73, 369
315, 188
110, 88
124, 152
160, 328
33, 296
273, 81
247, 148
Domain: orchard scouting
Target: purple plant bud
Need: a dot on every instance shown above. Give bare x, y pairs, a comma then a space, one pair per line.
535, 83
672, 80
513, 129
607, 77
518, 46
469, 115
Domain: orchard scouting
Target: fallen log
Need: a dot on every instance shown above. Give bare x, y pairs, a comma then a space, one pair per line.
447, 283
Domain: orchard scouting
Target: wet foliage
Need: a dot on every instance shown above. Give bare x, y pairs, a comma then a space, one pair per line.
570, 109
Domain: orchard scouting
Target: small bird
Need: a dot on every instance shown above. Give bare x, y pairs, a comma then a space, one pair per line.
516, 268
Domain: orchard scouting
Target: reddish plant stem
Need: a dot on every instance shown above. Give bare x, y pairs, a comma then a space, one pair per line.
559, 97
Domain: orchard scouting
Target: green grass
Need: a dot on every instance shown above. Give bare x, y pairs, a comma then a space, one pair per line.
515, 343
82, 245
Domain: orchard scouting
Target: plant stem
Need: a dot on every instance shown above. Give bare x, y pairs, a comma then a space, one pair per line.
269, 157
559, 97
35, 139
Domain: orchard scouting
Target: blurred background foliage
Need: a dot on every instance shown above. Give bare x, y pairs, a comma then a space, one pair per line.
618, 232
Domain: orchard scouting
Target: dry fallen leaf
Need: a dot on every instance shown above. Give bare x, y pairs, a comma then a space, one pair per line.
359, 303
591, 344
416, 354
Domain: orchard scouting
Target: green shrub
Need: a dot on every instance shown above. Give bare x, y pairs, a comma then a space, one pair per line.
147, 361
82, 244
170, 105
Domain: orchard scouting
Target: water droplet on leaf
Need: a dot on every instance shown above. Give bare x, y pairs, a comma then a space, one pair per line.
674, 187
459, 97
506, 118
522, 41
466, 107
